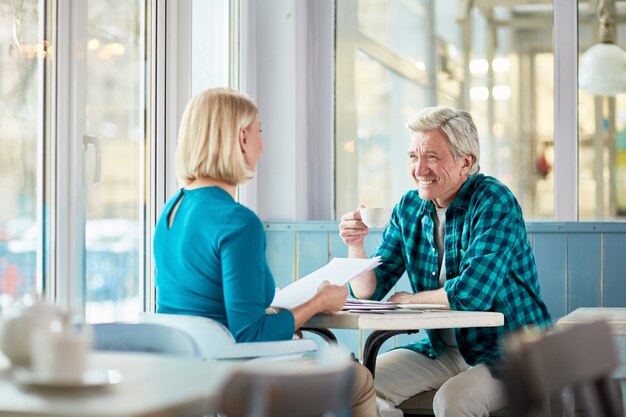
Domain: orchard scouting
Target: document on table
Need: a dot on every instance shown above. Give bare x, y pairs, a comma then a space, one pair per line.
339, 271
369, 305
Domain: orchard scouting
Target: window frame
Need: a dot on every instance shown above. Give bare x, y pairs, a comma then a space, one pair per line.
565, 35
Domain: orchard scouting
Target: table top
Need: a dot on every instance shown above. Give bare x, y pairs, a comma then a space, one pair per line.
431, 319
615, 316
152, 385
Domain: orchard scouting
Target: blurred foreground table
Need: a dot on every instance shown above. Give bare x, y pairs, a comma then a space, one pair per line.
151, 385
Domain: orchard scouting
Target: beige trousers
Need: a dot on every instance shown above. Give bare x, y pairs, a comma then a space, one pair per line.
463, 390
363, 401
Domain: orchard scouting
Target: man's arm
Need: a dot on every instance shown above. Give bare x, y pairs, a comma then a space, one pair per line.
352, 231
425, 297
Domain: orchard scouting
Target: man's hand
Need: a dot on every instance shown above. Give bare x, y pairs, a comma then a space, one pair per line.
351, 229
402, 297
424, 297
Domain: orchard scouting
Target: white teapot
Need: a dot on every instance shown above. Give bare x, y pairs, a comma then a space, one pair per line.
20, 321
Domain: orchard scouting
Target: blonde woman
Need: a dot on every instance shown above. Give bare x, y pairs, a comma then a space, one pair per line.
209, 250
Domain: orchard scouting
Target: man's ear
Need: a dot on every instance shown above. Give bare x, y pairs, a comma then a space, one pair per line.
468, 161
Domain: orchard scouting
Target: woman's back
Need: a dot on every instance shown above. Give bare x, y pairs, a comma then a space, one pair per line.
211, 262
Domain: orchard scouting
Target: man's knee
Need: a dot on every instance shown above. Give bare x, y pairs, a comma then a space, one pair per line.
453, 400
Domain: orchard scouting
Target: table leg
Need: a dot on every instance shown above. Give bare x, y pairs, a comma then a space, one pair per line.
373, 344
325, 334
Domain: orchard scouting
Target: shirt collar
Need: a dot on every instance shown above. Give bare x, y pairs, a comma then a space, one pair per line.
461, 201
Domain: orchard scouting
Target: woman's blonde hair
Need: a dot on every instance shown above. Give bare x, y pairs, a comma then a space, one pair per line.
208, 138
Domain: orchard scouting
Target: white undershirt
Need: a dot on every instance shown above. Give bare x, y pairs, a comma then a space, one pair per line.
447, 335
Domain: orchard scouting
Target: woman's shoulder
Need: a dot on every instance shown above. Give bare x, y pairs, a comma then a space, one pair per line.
238, 219
244, 215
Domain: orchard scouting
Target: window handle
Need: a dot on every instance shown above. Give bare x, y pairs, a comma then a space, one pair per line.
92, 140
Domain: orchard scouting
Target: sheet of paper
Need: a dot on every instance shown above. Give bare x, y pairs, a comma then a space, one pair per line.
339, 271
389, 312
356, 302
424, 306
368, 305
363, 307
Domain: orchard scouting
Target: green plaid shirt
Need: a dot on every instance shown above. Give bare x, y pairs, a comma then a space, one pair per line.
489, 264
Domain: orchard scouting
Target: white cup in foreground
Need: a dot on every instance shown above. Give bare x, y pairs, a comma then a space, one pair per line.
61, 356
375, 217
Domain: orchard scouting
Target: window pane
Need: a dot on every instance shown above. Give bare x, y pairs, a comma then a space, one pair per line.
115, 114
209, 42
602, 121
394, 58
21, 104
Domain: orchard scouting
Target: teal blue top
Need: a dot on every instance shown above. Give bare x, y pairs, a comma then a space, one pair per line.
211, 263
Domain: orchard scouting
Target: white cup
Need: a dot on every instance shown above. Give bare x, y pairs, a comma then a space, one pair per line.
375, 217
61, 356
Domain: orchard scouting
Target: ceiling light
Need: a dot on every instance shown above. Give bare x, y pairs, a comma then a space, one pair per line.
602, 69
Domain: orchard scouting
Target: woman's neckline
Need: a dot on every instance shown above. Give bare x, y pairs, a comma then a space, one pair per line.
200, 183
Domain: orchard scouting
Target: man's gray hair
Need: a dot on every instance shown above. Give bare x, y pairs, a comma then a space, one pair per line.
457, 126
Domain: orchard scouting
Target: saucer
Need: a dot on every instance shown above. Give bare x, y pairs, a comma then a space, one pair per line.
92, 378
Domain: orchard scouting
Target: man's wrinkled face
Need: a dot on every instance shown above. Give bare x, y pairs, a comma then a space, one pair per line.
437, 173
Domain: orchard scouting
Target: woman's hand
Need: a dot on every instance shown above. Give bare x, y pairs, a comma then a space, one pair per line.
332, 297
329, 299
351, 229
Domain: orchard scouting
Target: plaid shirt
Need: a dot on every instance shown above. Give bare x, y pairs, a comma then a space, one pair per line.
488, 259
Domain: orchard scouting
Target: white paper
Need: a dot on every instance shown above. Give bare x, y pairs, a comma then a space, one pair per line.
339, 271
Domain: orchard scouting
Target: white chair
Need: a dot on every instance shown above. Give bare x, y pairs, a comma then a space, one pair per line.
143, 337
215, 341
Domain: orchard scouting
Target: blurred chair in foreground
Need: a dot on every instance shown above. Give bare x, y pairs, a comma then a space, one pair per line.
315, 391
575, 363
216, 342
143, 337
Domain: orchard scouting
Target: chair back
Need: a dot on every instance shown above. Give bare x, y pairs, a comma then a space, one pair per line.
575, 363
323, 391
212, 337
143, 337
216, 342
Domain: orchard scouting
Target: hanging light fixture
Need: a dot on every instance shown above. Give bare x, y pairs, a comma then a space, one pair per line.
602, 69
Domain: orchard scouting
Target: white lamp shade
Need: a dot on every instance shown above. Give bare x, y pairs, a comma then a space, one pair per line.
602, 70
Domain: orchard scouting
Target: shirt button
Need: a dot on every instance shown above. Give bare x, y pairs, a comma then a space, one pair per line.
434, 249
434, 273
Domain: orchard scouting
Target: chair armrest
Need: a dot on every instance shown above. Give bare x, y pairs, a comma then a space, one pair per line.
268, 349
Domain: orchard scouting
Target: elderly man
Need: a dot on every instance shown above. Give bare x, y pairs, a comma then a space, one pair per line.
461, 239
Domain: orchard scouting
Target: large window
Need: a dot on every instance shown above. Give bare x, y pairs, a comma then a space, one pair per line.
73, 102
90, 109
394, 58
22, 53
114, 121
602, 116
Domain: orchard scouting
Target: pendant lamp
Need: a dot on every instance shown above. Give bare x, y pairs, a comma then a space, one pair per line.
602, 70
